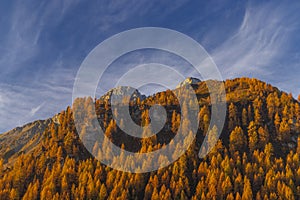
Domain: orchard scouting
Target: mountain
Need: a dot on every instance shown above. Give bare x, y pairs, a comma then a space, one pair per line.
21, 139
188, 81
122, 91
256, 157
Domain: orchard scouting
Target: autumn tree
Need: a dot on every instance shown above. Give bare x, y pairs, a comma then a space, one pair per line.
237, 140
252, 136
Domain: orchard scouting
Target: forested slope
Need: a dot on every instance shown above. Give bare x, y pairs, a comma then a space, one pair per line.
256, 157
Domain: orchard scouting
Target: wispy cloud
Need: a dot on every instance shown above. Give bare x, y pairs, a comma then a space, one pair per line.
36, 109
19, 105
21, 44
258, 43
115, 12
26, 94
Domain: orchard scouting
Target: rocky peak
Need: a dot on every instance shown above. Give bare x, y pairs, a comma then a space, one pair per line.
122, 91
188, 81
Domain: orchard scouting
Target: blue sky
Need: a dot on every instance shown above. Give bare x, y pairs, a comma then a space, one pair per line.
42, 44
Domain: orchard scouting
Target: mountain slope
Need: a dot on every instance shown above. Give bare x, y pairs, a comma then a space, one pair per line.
22, 139
257, 156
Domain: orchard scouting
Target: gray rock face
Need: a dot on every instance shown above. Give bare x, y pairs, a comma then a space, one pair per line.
122, 91
188, 81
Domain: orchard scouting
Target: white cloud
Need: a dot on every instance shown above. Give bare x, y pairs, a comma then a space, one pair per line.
116, 12
36, 109
20, 105
26, 24
40, 94
258, 43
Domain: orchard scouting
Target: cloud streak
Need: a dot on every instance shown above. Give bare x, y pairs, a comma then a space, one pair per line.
36, 109
19, 105
27, 94
258, 43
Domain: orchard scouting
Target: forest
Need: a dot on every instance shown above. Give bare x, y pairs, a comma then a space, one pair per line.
256, 157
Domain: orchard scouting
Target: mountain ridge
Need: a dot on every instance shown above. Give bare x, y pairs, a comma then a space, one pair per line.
259, 145
105, 97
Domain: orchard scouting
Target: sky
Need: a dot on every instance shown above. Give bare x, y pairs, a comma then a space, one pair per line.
43, 43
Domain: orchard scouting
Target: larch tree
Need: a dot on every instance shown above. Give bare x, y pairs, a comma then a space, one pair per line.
237, 140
